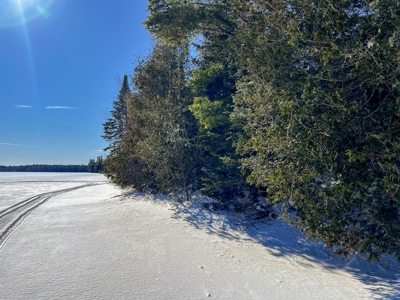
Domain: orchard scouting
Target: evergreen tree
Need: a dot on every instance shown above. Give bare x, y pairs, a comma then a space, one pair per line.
156, 151
115, 127
161, 126
91, 166
318, 102
99, 164
320, 108
212, 83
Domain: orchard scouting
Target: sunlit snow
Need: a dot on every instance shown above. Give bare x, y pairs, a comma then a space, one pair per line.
103, 243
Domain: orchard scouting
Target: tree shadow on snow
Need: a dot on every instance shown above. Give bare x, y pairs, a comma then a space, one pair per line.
281, 240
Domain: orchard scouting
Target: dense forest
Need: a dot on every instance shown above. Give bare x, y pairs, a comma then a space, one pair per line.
45, 168
290, 103
95, 165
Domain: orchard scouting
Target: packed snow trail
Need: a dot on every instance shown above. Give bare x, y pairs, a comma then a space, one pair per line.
17, 186
94, 243
14, 215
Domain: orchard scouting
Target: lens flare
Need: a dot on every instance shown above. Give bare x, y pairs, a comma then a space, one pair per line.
15, 13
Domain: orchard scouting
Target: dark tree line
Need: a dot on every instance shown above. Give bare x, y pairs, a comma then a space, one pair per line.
95, 165
45, 168
296, 100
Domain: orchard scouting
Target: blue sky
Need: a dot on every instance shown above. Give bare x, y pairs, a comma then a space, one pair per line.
60, 65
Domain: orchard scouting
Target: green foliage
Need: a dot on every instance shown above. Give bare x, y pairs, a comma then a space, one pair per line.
117, 165
213, 84
95, 166
176, 21
115, 128
157, 151
210, 115
315, 113
125, 170
91, 166
99, 164
319, 105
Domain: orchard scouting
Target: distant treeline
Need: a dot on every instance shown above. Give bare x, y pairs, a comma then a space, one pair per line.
45, 168
95, 165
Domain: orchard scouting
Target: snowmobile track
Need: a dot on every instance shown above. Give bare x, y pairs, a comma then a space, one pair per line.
12, 217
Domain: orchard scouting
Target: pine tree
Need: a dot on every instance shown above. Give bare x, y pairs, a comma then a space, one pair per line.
212, 83
161, 125
117, 164
91, 166
99, 164
115, 127
155, 150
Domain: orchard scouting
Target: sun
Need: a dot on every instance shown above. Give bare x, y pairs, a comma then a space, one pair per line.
15, 13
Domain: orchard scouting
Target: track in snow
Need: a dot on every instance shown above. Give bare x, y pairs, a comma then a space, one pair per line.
13, 216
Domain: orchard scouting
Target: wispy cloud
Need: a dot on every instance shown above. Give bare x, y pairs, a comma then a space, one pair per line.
60, 107
17, 145
9, 144
23, 106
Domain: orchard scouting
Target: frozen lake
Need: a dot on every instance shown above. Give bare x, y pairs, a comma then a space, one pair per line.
100, 242
17, 186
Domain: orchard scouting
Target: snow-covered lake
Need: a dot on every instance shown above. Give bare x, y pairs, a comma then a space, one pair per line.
17, 186
99, 242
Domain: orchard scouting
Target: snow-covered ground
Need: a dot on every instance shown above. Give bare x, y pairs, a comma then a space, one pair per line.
101, 243
17, 186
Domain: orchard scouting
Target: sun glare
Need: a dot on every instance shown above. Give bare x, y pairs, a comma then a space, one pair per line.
15, 13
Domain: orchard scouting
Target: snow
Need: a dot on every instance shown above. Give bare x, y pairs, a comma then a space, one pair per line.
103, 243
50, 177
17, 186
